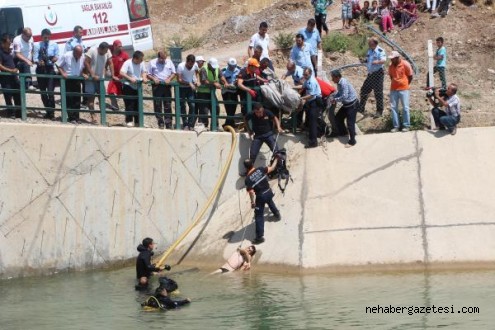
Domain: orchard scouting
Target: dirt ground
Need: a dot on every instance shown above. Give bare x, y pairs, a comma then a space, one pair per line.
225, 27
469, 32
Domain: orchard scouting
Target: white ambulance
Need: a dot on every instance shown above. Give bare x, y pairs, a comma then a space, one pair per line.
102, 20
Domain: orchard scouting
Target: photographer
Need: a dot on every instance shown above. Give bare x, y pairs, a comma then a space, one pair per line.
451, 116
45, 56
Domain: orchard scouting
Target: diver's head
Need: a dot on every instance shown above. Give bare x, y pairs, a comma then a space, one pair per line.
161, 290
148, 243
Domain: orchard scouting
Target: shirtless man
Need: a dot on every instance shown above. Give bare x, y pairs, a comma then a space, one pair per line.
241, 259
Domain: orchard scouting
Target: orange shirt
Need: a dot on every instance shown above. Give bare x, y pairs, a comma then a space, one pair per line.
398, 75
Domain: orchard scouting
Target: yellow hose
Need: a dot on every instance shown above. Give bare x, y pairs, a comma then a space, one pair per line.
200, 215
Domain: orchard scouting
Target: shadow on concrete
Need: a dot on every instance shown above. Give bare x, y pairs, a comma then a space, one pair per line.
440, 133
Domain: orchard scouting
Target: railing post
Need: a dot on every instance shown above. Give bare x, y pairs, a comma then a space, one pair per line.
140, 103
103, 104
63, 100
213, 105
177, 106
22, 81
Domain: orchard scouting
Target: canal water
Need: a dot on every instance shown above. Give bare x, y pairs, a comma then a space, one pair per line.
253, 300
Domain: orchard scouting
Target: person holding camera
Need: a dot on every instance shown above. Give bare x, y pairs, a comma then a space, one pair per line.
144, 267
451, 116
45, 56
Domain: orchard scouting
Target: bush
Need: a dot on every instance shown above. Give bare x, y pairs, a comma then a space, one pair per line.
356, 43
185, 43
335, 42
417, 118
284, 40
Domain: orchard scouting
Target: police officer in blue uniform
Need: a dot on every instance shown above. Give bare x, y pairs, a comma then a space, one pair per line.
257, 186
375, 60
312, 105
229, 91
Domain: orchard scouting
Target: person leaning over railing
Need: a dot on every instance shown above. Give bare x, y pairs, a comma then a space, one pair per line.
247, 79
23, 54
230, 92
210, 76
96, 63
70, 65
46, 54
186, 73
133, 71
7, 81
161, 71
115, 86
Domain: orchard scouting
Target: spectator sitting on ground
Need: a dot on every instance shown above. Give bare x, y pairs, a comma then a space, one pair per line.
364, 11
385, 16
397, 17
356, 10
409, 14
452, 114
239, 260
373, 11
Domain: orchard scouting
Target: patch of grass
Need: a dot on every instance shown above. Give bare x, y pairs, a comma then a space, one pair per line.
356, 43
186, 43
335, 42
417, 119
284, 40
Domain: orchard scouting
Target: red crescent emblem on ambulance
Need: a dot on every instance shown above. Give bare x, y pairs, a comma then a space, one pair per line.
50, 17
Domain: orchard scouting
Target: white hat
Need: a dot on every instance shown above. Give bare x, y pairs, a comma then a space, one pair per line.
232, 61
200, 58
213, 62
394, 54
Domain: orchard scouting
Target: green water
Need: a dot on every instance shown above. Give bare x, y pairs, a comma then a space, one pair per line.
107, 300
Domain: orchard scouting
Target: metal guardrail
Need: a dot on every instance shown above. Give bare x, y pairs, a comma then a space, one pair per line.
102, 95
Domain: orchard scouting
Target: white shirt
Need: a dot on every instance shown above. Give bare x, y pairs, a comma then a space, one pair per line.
133, 70
256, 40
98, 61
70, 65
23, 47
187, 75
161, 71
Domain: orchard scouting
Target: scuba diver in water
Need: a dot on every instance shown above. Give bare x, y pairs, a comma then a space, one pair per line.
241, 259
161, 299
144, 268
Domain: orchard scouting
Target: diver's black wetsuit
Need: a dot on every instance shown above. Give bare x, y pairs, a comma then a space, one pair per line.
169, 303
144, 268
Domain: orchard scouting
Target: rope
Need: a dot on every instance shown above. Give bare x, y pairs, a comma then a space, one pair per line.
200, 215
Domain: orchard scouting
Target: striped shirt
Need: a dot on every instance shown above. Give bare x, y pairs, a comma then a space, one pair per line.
454, 106
346, 93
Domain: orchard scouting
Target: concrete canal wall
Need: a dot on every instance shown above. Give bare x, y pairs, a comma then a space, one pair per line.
84, 197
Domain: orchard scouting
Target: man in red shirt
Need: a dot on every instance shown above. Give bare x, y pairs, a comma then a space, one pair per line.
114, 86
401, 75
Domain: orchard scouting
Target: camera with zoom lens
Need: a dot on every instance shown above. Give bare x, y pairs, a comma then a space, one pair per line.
441, 92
